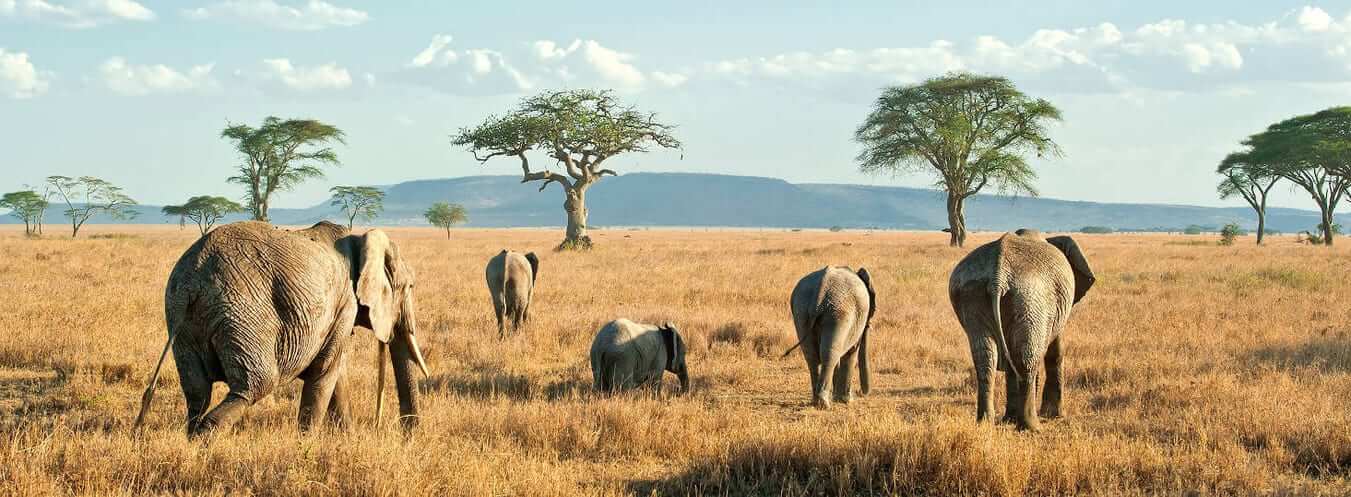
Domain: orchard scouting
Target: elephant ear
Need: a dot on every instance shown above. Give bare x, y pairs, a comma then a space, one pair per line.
872, 295
534, 266
669, 337
374, 284
1083, 275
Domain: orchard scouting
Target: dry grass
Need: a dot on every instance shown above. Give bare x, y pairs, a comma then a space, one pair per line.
1191, 369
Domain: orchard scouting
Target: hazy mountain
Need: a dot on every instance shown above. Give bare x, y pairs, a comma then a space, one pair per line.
680, 199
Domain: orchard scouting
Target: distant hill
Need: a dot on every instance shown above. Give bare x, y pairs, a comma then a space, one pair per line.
682, 199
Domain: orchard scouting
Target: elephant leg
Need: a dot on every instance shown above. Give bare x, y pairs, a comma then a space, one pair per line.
339, 406
246, 387
821, 398
844, 376
1051, 391
223, 415
315, 397
192, 377
1027, 410
813, 358
984, 362
1013, 394
499, 310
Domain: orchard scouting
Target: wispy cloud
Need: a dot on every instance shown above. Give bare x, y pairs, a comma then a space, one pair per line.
75, 15
128, 79
314, 15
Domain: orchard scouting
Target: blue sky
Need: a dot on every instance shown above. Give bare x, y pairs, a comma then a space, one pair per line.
1154, 93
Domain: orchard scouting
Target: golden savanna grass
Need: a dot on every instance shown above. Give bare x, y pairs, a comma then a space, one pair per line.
1191, 369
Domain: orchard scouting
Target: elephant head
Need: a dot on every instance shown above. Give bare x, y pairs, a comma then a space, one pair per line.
384, 292
675, 354
1083, 275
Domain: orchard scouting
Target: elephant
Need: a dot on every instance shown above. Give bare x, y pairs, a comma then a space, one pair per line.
511, 281
254, 306
1013, 297
833, 309
625, 355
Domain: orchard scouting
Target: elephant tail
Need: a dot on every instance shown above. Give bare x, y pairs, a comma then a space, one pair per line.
997, 294
154, 378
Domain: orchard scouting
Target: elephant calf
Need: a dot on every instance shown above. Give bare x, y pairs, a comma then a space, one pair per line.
832, 310
626, 354
1013, 297
511, 281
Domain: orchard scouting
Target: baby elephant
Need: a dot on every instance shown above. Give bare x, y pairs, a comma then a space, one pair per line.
511, 280
626, 354
832, 309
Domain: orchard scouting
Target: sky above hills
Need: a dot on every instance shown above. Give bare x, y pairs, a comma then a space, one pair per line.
1154, 93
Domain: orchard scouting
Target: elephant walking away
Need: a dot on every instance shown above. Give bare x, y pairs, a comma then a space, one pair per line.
1013, 297
832, 311
255, 306
627, 355
511, 282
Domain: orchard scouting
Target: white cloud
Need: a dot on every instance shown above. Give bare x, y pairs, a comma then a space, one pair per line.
1314, 19
314, 15
75, 15
138, 80
669, 79
429, 55
612, 65
322, 77
19, 78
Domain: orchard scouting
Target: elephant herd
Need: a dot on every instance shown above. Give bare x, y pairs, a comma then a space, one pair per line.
254, 306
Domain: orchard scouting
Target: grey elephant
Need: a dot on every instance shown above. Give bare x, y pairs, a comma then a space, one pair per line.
1013, 297
833, 309
511, 281
627, 355
255, 306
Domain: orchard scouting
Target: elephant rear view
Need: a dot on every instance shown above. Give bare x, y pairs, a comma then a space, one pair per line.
511, 282
832, 311
1013, 297
626, 355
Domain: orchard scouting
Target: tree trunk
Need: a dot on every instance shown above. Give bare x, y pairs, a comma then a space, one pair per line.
1327, 226
1261, 223
575, 205
447, 232
956, 220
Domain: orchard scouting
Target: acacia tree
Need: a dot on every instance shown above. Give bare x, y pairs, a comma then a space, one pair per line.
970, 130
365, 202
1312, 151
278, 155
445, 215
1242, 177
28, 206
204, 210
580, 129
86, 196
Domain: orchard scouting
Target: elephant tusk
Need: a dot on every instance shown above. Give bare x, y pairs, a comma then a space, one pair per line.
417, 354
380, 382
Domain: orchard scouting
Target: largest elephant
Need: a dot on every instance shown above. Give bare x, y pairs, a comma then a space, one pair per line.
254, 306
1013, 297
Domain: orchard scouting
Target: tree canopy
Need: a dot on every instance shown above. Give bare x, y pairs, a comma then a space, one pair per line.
1312, 151
86, 196
1241, 176
445, 215
204, 210
280, 154
969, 130
27, 205
365, 202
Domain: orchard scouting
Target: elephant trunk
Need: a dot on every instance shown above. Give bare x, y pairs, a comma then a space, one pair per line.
406, 355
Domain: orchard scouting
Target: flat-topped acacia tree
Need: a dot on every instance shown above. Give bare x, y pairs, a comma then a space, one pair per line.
580, 129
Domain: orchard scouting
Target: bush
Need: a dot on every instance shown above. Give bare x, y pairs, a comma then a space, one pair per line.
1192, 230
1101, 230
836, 229
1228, 233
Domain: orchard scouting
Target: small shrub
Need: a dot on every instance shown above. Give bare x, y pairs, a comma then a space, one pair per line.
1099, 230
1228, 233
1193, 230
836, 229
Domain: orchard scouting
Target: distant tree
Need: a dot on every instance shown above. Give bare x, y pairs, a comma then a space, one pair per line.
204, 210
1101, 230
28, 206
365, 202
1192, 230
278, 155
445, 215
580, 129
1241, 176
86, 196
969, 130
1312, 151
1228, 233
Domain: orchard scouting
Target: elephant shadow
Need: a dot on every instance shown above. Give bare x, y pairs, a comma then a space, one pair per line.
1329, 353
753, 468
494, 383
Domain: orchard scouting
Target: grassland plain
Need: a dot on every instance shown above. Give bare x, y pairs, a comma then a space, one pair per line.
1192, 369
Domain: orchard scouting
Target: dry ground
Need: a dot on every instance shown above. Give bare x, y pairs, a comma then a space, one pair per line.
1192, 369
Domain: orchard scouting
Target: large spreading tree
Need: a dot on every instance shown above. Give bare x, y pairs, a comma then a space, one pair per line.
1312, 151
86, 196
27, 205
205, 210
969, 130
1240, 176
278, 155
580, 130
364, 202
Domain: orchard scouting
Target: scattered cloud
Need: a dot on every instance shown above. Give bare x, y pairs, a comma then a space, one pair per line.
19, 79
322, 77
75, 15
314, 15
139, 80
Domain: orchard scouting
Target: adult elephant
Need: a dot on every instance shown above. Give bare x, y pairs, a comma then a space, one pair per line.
511, 281
1013, 297
626, 355
253, 306
833, 309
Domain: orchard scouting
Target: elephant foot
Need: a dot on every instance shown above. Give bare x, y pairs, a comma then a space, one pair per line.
1049, 413
1007, 420
844, 399
1032, 427
821, 402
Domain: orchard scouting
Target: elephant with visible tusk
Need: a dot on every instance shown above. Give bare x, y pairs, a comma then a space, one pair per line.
511, 281
833, 309
1013, 297
626, 355
253, 306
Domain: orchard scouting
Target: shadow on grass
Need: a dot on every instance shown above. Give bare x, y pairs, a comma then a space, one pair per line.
496, 384
1325, 354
